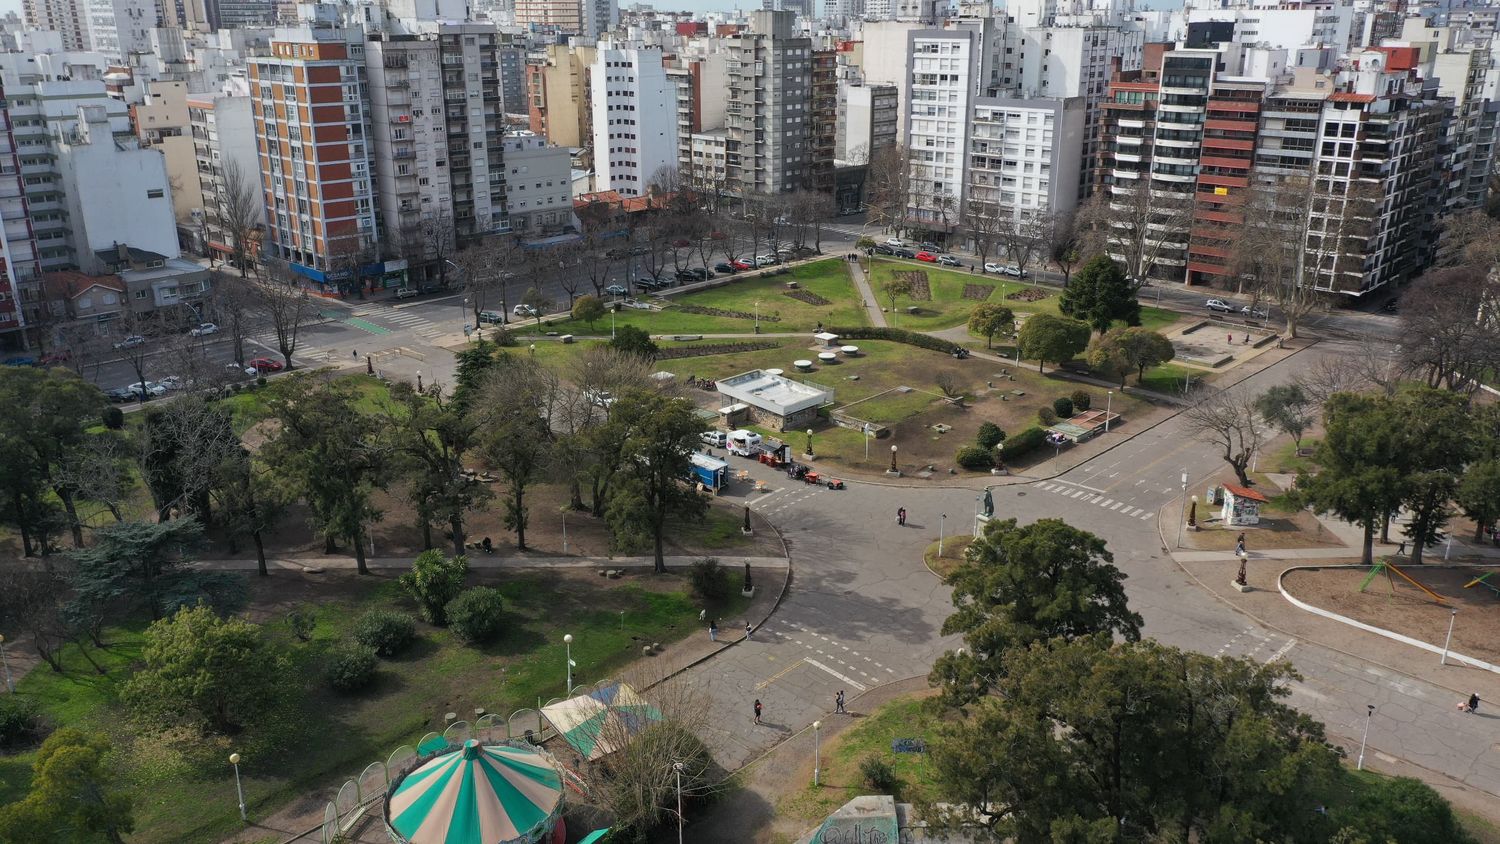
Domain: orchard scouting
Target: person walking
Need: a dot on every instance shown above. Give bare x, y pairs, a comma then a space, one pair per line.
747, 631
1473, 702
838, 704
901, 516
713, 631
757, 710
1239, 546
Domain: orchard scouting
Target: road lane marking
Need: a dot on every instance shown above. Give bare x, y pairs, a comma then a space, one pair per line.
1106, 502
1118, 505
851, 681
1076, 494
1147, 516
782, 673
1282, 651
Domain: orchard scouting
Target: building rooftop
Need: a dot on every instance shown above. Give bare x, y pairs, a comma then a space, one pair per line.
775, 393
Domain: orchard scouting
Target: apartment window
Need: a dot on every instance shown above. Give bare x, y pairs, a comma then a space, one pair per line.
141, 294
156, 193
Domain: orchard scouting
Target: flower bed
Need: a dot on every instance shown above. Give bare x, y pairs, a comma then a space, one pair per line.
714, 349
920, 290
719, 312
806, 296
1030, 294
978, 292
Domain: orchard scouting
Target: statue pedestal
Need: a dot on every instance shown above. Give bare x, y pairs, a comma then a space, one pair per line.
1241, 587
747, 593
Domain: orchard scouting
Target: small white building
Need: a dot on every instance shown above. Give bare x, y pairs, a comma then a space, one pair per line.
775, 401
1241, 506
539, 185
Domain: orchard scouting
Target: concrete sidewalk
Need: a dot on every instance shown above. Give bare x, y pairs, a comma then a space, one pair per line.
481, 560
862, 284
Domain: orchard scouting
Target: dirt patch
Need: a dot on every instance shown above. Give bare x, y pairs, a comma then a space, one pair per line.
806, 296
720, 312
978, 292
920, 290
1390, 602
1030, 294
676, 352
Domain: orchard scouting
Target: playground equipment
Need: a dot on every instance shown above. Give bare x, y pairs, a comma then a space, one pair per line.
1390, 568
1484, 580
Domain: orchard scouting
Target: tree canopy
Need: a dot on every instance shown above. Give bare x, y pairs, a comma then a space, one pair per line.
1100, 295
989, 319
660, 434
75, 796
1052, 338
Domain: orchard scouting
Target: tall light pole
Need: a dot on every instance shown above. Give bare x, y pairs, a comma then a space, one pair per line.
565, 529
816, 758
1446, 642
9, 685
893, 469
568, 644
1109, 402
1369, 712
942, 523
1182, 517
757, 316
677, 770
234, 759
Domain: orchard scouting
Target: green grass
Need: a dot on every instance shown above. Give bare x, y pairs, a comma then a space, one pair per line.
1169, 378
827, 278
1285, 459
315, 738
249, 407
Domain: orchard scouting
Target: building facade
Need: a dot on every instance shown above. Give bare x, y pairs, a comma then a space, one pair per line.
120, 28
68, 18
769, 114
539, 192
635, 130
224, 152
20, 267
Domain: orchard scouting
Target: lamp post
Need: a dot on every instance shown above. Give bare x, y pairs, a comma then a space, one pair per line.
9, 686
816, 759
611, 325
1109, 402
893, 470
568, 644
1182, 517
1369, 712
234, 759
464, 314
565, 529
1453, 614
533, 350
677, 771
942, 523
809, 442
757, 316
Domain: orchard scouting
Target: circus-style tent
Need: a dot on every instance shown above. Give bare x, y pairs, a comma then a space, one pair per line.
602, 721
478, 794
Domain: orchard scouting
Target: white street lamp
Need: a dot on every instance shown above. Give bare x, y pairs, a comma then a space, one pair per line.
1182, 517
942, 523
677, 770
1448, 641
757, 316
568, 644
1109, 402
9, 686
816, 759
234, 759
1369, 712
893, 469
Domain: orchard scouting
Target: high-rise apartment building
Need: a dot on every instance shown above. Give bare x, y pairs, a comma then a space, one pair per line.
120, 28
1022, 158
557, 92
823, 136
769, 114
162, 122
68, 18
589, 18
634, 119
868, 122
20, 267
308, 100
539, 188
948, 67
224, 152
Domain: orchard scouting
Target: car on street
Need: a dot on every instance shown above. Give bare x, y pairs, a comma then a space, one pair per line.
949, 261
523, 311
264, 365
131, 342
1219, 305
172, 382
929, 246
648, 283
406, 293
905, 253
726, 268
684, 277
992, 267
882, 249
491, 317
1257, 313
743, 264
120, 394
640, 250
765, 260
617, 253
203, 329
929, 257
616, 290
20, 360
895, 242
699, 273
147, 389
714, 438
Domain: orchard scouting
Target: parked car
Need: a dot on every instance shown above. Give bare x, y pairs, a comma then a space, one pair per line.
131, 342
146, 389
647, 283
726, 268
1219, 305
992, 267
523, 311
616, 290
949, 261
492, 317
599, 398
895, 242
684, 276
406, 293
617, 253
700, 273
1255, 313
264, 365
743, 264
204, 329
1014, 271
929, 257
173, 382
56, 356
640, 250
718, 439
905, 253
882, 249
743, 443
120, 394
20, 360
767, 259
929, 246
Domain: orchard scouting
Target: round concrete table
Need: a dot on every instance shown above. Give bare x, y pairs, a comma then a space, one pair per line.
828, 357
803, 365
850, 351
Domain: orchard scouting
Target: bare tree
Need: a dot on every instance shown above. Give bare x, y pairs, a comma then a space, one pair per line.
1330, 374
1471, 238
1136, 226
100, 471
287, 304
1450, 321
440, 235
888, 188
239, 212
1067, 244
347, 260
235, 306
30, 602
983, 224
809, 211
1026, 240
1283, 258
485, 268
1228, 419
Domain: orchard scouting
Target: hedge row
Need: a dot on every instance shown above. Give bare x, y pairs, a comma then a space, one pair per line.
1027, 441
896, 335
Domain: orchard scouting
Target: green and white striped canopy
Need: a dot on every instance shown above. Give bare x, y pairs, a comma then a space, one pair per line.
477, 794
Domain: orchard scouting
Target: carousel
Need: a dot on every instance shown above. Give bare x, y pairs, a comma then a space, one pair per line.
478, 794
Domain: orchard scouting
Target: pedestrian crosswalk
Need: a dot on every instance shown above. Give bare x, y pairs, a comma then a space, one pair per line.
860, 670
423, 327
1089, 496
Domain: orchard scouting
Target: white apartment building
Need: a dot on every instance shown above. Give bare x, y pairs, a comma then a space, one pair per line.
1286, 28
119, 28
539, 187
1023, 156
868, 116
67, 18
223, 132
941, 90
635, 133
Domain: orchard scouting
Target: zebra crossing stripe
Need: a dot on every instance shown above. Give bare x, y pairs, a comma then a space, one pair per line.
1118, 505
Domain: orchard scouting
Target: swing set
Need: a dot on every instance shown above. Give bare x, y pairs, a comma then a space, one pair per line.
1390, 568
1484, 580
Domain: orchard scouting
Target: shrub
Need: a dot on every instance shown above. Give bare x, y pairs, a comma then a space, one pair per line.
386, 631
1082, 400
476, 615
113, 418
301, 621
1063, 407
879, 775
352, 667
896, 335
989, 435
710, 580
433, 581
974, 457
1025, 442
1047, 415
20, 720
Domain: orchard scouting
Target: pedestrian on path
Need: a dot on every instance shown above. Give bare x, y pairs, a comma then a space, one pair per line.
1401, 551
713, 631
838, 704
747, 631
1473, 703
354, 353
901, 516
1239, 546
757, 710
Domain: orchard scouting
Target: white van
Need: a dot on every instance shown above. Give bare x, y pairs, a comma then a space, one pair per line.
744, 443
717, 439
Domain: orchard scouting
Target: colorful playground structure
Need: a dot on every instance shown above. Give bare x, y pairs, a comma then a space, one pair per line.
1484, 580
1390, 568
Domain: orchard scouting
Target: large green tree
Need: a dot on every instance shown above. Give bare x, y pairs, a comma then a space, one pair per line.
1288, 408
44, 414
1093, 741
1047, 337
990, 319
132, 564
514, 432
430, 435
75, 795
1436, 441
1358, 479
204, 670
660, 433
1023, 584
333, 453
1100, 295
1478, 494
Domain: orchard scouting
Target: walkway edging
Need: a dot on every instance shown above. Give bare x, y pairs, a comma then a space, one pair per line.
1370, 628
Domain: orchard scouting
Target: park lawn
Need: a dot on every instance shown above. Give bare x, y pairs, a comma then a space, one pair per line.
1170, 378
316, 739
249, 406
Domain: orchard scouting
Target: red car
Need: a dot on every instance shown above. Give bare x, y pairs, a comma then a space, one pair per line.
265, 365
929, 257
742, 265
55, 357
